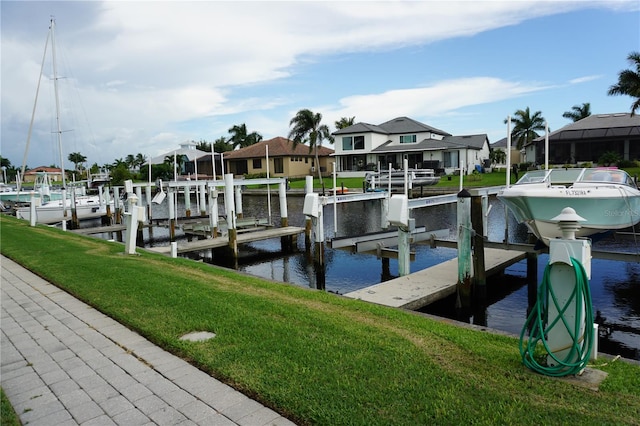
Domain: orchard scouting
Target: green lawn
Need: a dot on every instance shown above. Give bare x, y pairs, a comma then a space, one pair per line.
313, 356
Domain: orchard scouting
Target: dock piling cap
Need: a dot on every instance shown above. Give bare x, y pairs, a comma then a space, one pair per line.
568, 214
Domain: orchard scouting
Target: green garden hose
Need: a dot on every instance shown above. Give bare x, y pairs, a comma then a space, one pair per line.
581, 332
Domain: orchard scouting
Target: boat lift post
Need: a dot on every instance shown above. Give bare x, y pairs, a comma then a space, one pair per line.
238, 201
186, 191
231, 214
203, 199
213, 212
32, 208
286, 243
399, 216
308, 186
465, 265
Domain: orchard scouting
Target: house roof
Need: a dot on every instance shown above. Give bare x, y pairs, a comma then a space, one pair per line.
191, 153
469, 141
278, 147
598, 126
399, 125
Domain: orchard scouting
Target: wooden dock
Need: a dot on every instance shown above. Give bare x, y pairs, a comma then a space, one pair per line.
242, 238
421, 288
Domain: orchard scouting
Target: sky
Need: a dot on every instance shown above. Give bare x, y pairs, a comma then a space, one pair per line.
146, 76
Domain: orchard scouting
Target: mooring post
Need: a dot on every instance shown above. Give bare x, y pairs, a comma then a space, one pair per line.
148, 198
464, 250
203, 200
187, 200
479, 271
116, 204
308, 186
32, 209
75, 222
399, 216
213, 214
238, 200
231, 215
286, 243
172, 214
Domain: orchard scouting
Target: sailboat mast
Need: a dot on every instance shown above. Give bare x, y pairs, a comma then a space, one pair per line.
33, 113
55, 90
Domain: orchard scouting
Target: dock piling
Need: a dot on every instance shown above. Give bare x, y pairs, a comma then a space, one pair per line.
464, 250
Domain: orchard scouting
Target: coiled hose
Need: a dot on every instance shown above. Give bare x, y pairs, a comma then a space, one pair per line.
580, 332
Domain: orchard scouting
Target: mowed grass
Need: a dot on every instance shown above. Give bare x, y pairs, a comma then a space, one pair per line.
313, 356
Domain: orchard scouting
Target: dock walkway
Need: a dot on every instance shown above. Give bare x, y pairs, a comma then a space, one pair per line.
421, 288
242, 238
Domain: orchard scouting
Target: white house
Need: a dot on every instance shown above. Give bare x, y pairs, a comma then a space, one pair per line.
364, 146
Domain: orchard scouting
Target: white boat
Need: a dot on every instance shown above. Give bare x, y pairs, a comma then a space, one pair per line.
607, 198
52, 210
415, 177
87, 207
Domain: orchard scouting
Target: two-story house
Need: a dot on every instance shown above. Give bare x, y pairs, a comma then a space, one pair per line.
364, 146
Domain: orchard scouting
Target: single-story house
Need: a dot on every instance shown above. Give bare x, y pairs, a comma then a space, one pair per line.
365, 146
284, 159
55, 174
587, 139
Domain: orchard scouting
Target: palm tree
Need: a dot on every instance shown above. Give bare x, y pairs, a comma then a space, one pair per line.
130, 161
629, 82
240, 137
307, 128
203, 146
578, 112
525, 126
140, 160
345, 122
221, 145
76, 158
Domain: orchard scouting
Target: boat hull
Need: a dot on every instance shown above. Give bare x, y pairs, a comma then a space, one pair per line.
53, 212
604, 208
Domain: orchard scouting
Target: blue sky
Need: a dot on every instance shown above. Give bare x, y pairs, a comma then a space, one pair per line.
143, 77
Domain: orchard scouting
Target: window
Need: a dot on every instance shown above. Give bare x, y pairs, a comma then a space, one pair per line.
408, 138
347, 143
358, 142
257, 163
350, 143
451, 159
278, 165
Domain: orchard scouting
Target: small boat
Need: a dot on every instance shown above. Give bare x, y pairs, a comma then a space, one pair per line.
607, 198
87, 207
415, 177
41, 187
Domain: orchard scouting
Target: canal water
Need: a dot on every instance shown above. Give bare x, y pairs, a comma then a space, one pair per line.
615, 285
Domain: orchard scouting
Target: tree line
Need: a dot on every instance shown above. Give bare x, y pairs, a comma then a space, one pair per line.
306, 127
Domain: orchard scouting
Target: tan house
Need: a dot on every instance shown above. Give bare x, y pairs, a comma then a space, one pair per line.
55, 174
284, 160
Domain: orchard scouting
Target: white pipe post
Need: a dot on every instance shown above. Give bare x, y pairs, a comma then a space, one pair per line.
132, 224
213, 163
203, 199
238, 201
186, 191
461, 173
266, 147
405, 165
282, 193
508, 182
213, 213
308, 184
389, 183
32, 208
197, 187
222, 163
231, 215
546, 146
148, 198
335, 202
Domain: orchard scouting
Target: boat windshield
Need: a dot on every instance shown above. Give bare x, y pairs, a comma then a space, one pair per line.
570, 176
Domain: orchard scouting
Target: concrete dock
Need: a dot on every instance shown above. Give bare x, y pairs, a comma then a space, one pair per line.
421, 288
242, 238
